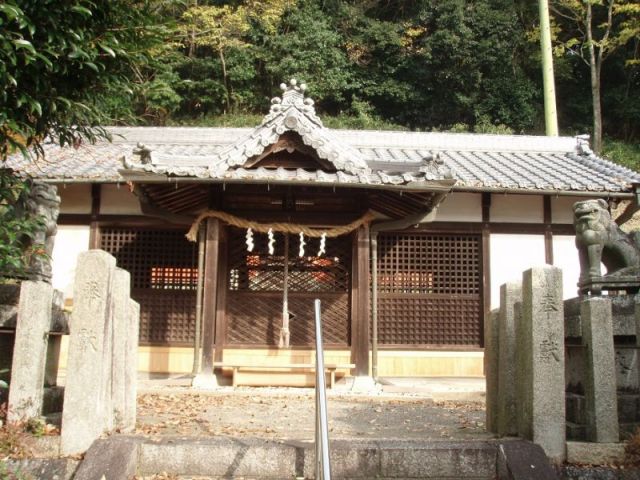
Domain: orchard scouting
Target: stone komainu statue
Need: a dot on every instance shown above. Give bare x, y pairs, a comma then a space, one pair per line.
43, 202
599, 239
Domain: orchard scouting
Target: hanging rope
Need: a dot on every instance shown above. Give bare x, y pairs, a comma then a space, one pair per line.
278, 227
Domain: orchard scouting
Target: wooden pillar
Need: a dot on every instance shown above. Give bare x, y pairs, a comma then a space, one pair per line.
548, 234
221, 301
360, 302
94, 228
210, 292
486, 261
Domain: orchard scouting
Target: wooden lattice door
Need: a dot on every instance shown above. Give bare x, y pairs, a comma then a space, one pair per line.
164, 278
429, 289
255, 290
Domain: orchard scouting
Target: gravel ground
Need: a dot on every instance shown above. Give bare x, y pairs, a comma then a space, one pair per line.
289, 414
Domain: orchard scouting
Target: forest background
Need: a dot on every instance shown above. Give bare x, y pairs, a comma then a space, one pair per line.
446, 65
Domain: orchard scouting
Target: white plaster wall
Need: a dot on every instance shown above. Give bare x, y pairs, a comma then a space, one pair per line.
460, 207
517, 208
510, 256
75, 198
562, 209
565, 256
71, 240
118, 200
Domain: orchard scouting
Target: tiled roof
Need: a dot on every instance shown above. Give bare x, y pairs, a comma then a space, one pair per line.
366, 158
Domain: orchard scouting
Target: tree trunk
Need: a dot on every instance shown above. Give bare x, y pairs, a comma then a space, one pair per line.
225, 79
595, 65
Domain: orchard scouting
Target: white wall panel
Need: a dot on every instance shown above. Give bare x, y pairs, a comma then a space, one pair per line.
71, 240
517, 208
562, 209
460, 207
75, 198
510, 256
118, 200
565, 256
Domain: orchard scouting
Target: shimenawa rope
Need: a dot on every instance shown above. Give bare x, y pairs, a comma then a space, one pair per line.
278, 227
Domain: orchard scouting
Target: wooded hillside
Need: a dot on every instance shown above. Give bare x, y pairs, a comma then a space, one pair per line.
455, 65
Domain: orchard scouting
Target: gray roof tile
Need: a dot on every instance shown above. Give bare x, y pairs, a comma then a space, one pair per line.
491, 162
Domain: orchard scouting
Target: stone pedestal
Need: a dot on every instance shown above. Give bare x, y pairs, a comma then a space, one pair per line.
205, 381
510, 294
491, 361
365, 383
30, 351
601, 400
542, 340
85, 415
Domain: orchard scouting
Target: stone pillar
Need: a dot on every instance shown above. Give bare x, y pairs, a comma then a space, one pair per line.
120, 312
30, 351
521, 368
85, 415
601, 401
491, 361
542, 341
131, 367
510, 293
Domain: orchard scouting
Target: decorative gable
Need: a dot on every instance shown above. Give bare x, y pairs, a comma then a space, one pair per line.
291, 126
290, 152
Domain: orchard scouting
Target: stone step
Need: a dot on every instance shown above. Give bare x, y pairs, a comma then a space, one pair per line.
245, 458
121, 457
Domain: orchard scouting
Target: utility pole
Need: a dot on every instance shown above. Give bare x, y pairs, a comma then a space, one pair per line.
550, 113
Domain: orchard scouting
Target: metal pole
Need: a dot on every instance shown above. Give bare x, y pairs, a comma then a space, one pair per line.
196, 342
550, 113
323, 466
374, 305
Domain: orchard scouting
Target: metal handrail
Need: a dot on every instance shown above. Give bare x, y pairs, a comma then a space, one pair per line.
323, 465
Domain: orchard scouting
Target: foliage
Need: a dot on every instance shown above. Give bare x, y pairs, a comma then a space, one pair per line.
593, 31
626, 154
56, 56
225, 27
16, 226
461, 65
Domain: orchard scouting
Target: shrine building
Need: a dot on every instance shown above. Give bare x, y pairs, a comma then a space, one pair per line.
405, 237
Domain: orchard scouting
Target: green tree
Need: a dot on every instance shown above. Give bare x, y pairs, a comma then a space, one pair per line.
593, 30
226, 27
57, 56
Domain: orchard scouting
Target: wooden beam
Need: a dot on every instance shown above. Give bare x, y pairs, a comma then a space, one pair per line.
360, 302
209, 304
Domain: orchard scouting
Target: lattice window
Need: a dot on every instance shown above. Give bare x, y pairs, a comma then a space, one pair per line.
164, 278
429, 288
256, 279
